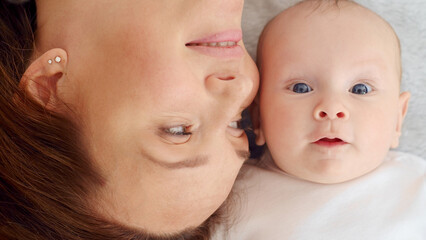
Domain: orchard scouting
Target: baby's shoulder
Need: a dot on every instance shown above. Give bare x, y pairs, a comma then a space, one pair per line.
263, 180
405, 157
398, 172
272, 204
401, 163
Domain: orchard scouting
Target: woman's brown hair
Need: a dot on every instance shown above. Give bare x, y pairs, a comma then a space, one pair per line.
45, 174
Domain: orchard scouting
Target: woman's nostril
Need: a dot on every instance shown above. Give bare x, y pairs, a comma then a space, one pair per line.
323, 114
228, 78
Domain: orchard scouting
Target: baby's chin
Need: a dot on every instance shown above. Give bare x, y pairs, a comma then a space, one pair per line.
331, 175
330, 179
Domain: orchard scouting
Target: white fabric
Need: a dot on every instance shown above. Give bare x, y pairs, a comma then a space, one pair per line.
388, 203
409, 21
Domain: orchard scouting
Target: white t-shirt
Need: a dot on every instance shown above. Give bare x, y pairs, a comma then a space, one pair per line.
388, 203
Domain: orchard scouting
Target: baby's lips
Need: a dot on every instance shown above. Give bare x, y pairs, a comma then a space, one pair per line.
331, 140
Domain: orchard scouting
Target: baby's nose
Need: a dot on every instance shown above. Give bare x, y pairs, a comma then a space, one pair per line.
330, 109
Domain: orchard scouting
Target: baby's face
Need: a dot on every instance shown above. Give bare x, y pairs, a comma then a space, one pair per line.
330, 106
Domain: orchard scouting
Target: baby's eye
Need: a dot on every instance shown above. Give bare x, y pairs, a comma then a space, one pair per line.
177, 134
235, 128
300, 88
361, 89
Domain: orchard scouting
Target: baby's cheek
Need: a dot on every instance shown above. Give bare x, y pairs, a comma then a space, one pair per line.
375, 136
273, 121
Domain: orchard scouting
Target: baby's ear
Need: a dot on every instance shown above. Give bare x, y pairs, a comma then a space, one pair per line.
255, 117
402, 111
41, 78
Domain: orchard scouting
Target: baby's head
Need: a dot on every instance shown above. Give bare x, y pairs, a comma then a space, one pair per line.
330, 105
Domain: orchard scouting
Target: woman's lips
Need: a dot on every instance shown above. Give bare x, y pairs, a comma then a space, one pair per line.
330, 142
225, 36
222, 45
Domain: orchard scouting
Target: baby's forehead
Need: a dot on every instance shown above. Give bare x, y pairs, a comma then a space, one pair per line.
315, 19
330, 12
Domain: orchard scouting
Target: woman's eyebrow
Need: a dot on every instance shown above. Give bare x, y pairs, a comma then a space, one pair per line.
243, 154
194, 162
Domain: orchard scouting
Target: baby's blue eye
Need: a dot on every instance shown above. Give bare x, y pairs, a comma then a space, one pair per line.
360, 89
301, 88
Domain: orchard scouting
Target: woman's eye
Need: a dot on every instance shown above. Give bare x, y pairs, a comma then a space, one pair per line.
235, 124
177, 134
235, 128
361, 89
300, 88
178, 131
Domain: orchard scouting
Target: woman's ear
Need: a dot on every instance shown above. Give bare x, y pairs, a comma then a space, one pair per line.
402, 111
41, 78
257, 125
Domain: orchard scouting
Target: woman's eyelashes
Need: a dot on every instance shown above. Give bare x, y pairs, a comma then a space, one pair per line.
177, 134
182, 133
360, 89
235, 128
235, 124
178, 130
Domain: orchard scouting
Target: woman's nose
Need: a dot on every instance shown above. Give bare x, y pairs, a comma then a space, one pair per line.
230, 87
330, 109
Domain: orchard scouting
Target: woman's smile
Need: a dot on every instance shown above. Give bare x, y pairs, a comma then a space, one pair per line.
223, 44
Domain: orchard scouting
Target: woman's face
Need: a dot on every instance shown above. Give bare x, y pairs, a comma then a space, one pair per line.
157, 107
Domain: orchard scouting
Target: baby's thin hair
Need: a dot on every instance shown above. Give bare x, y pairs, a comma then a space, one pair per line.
318, 5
